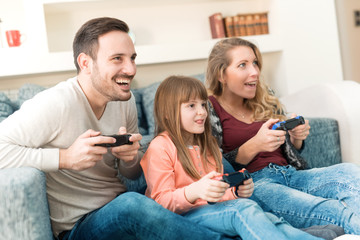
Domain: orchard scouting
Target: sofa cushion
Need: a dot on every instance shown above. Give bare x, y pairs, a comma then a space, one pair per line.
200, 76
148, 97
28, 91
142, 123
6, 106
324, 134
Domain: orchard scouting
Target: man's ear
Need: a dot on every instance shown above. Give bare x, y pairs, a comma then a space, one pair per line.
85, 63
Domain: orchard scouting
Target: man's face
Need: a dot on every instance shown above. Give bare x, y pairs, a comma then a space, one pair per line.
115, 67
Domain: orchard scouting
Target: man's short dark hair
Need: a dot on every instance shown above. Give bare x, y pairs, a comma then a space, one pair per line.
86, 38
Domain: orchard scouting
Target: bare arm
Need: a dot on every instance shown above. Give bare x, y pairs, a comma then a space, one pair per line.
266, 140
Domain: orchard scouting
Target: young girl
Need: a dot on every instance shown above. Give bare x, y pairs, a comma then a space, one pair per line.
183, 159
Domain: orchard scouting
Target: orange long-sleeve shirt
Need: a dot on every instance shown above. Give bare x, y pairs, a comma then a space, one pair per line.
166, 178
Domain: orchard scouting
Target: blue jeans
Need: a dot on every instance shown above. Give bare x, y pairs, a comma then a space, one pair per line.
243, 217
134, 216
318, 196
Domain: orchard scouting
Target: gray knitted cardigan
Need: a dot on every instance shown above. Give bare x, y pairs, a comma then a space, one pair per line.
291, 154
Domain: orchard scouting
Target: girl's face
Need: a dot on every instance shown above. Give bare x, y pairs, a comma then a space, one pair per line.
242, 75
193, 115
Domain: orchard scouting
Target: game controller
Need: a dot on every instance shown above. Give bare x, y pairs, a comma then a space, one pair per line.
288, 124
233, 179
120, 140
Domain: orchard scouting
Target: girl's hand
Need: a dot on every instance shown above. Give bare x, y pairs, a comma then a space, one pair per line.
247, 189
299, 133
206, 188
269, 140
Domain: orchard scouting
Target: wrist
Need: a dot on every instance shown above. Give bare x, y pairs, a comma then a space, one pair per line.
62, 159
296, 142
128, 164
189, 194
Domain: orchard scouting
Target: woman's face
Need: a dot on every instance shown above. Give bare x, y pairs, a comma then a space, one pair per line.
242, 75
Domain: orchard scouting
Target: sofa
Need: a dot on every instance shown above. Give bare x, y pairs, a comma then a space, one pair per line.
23, 204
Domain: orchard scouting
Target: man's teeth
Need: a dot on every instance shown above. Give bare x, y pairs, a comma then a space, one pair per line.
121, 81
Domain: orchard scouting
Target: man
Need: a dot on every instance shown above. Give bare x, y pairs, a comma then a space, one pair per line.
57, 132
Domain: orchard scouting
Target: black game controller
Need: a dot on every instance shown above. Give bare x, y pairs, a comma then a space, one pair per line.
288, 124
120, 140
233, 179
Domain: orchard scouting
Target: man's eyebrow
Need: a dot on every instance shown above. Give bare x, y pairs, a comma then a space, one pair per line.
122, 54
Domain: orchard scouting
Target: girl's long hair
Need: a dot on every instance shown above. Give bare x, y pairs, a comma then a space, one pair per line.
171, 93
264, 105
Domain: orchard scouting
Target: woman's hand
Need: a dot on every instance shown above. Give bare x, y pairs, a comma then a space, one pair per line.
269, 140
206, 188
299, 133
265, 140
247, 189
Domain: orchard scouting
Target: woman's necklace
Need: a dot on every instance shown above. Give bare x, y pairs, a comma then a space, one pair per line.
230, 110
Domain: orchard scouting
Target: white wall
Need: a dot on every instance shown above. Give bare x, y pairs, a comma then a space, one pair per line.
311, 52
349, 38
11, 17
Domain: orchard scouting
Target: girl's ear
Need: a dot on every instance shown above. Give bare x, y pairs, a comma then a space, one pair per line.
85, 63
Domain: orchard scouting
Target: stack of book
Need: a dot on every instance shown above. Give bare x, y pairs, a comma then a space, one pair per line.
239, 25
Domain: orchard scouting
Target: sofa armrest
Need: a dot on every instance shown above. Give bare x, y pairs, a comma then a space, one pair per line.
339, 101
24, 208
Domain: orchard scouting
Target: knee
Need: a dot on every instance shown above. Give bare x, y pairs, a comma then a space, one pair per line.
132, 202
347, 168
243, 205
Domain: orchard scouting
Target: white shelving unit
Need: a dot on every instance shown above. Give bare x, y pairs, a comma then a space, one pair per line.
174, 36
177, 32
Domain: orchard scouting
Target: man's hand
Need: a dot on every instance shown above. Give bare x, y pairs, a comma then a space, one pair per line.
83, 153
126, 152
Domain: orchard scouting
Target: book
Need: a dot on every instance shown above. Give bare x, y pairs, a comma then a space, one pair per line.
217, 26
258, 30
237, 32
264, 23
242, 24
250, 26
229, 26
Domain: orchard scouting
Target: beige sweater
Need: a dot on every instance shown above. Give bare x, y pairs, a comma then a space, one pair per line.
53, 119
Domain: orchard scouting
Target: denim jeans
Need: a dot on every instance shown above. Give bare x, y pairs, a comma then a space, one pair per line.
134, 216
243, 217
318, 196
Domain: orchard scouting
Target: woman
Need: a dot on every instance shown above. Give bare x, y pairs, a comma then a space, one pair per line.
243, 112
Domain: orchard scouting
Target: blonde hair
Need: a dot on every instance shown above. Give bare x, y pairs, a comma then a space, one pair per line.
264, 105
171, 93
